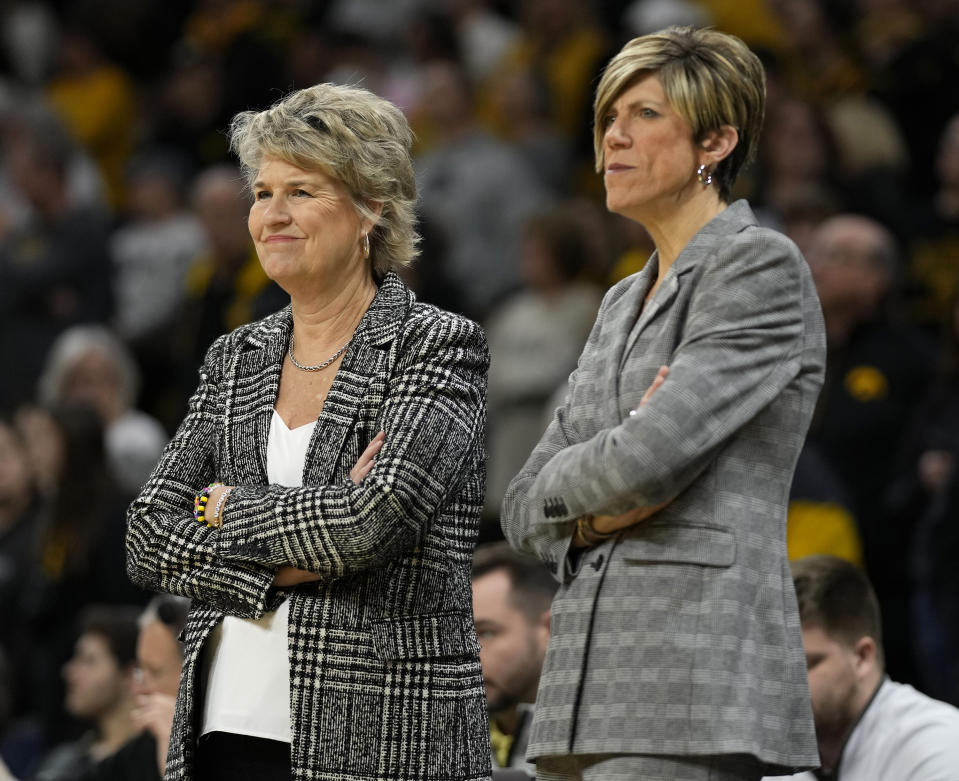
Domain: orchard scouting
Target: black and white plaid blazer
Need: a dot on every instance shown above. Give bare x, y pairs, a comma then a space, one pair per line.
384, 663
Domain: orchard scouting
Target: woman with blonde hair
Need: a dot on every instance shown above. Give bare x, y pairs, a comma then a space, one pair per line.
333, 456
658, 494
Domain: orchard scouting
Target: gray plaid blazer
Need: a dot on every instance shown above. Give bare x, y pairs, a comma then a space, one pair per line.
681, 635
384, 662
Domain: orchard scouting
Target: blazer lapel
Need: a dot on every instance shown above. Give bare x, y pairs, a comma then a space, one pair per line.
734, 218
251, 396
661, 300
364, 359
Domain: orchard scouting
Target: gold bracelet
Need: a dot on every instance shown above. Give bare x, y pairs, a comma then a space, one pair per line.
216, 520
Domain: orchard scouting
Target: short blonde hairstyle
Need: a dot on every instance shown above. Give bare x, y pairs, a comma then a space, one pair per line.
710, 79
353, 135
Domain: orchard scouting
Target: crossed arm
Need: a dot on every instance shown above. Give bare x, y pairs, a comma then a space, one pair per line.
433, 415
741, 344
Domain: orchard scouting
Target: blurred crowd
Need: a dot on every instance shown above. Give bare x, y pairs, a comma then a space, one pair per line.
124, 251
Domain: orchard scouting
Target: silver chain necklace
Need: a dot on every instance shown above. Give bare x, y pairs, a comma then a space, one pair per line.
317, 367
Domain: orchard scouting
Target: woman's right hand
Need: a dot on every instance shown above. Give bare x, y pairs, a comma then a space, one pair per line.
291, 576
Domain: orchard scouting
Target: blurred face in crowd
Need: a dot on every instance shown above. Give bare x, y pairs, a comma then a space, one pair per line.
93, 380
794, 144
512, 647
220, 206
842, 678
95, 681
44, 444
159, 660
649, 156
842, 256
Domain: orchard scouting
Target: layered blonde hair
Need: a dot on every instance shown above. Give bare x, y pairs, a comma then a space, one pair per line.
710, 79
356, 137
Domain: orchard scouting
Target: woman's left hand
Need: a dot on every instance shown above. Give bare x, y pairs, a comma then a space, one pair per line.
291, 576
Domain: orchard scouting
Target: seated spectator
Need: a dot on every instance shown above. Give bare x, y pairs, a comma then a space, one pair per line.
90, 365
100, 679
77, 558
868, 727
159, 661
511, 605
877, 369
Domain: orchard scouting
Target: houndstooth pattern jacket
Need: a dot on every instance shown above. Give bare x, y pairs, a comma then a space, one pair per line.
384, 662
681, 636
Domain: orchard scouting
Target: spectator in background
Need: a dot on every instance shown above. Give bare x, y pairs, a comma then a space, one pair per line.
78, 558
225, 286
876, 370
535, 337
476, 190
152, 253
90, 365
100, 680
96, 100
559, 40
934, 254
484, 36
54, 270
511, 606
798, 161
923, 498
153, 250
523, 98
868, 727
19, 513
159, 662
820, 517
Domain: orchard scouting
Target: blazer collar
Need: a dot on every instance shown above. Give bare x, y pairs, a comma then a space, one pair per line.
734, 218
260, 361
267, 339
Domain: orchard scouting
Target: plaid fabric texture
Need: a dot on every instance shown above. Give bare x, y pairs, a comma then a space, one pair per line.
384, 662
681, 635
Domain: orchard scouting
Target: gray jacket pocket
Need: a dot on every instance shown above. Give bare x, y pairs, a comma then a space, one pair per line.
679, 543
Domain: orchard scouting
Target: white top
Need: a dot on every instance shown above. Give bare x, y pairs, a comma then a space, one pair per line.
248, 663
902, 736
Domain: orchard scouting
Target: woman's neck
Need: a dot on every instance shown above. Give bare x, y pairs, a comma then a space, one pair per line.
325, 322
672, 229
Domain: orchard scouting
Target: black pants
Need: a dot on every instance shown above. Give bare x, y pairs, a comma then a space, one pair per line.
224, 756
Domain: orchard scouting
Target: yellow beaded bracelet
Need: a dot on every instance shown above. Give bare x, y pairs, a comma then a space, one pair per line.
199, 503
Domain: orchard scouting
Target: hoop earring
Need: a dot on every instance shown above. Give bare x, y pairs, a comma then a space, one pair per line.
705, 177
366, 245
